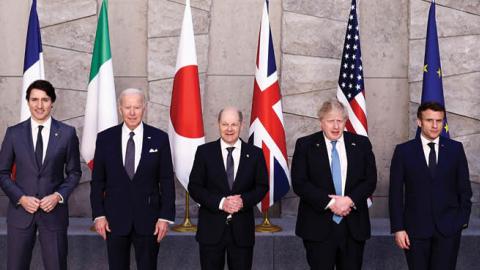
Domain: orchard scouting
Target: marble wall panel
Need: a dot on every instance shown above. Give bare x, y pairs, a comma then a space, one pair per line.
77, 35
471, 6
307, 104
51, 12
384, 38
200, 4
302, 74
11, 88
165, 19
450, 21
471, 144
297, 126
312, 36
67, 69
13, 28
332, 9
69, 104
158, 116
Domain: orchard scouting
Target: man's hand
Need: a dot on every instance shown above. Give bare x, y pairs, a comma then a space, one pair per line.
402, 240
29, 203
49, 202
161, 229
232, 204
342, 205
101, 226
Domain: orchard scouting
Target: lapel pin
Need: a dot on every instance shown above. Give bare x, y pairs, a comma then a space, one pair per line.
149, 137
247, 155
353, 144
318, 145
56, 134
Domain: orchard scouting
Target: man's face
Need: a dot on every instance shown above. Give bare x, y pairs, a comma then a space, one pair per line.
431, 124
132, 110
40, 105
230, 126
333, 124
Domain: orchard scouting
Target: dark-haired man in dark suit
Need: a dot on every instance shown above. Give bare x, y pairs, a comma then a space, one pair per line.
333, 173
45, 152
430, 194
228, 178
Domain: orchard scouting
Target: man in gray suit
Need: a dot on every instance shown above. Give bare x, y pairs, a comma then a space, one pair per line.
45, 153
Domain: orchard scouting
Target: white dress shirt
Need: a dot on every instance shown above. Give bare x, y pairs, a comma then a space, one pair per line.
45, 137
45, 134
137, 139
426, 148
236, 159
342, 154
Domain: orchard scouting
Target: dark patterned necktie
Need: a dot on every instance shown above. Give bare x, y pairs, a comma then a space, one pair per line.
432, 159
39, 147
230, 174
130, 156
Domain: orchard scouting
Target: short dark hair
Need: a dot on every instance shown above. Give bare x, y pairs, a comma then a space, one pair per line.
431, 105
43, 85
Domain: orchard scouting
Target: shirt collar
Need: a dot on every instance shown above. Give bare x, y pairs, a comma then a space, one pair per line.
224, 145
426, 141
329, 142
46, 125
138, 130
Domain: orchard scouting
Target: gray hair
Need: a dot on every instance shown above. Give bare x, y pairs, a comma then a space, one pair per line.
240, 114
132, 91
331, 105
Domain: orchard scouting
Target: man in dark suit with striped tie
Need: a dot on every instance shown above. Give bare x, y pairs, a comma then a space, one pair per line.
333, 173
45, 152
430, 194
228, 178
132, 189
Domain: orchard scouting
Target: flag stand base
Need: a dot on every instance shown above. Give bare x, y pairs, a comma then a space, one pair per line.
186, 225
266, 226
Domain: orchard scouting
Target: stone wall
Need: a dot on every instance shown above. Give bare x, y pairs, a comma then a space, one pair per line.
308, 37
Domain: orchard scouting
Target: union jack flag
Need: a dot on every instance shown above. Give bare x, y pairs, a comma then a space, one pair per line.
351, 90
266, 122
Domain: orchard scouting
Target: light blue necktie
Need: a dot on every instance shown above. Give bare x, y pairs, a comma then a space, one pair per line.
337, 176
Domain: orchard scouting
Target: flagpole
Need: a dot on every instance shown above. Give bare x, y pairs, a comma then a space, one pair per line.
187, 225
266, 226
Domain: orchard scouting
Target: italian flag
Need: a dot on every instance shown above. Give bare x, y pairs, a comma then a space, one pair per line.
100, 110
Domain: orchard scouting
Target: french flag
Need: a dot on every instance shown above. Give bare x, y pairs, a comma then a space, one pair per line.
186, 122
33, 61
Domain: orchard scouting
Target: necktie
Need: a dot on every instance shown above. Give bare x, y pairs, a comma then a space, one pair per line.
337, 176
130, 156
39, 147
432, 159
230, 175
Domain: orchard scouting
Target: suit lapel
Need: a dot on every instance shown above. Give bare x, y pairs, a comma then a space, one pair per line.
53, 138
321, 157
442, 156
146, 146
350, 147
217, 155
421, 155
28, 141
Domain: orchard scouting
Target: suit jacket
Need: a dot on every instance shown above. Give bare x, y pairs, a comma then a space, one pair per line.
208, 185
60, 172
312, 181
138, 203
420, 203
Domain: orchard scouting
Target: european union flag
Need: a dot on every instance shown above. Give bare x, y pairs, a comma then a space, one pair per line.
432, 88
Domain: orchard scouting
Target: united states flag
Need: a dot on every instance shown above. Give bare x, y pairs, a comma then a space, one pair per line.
266, 122
351, 90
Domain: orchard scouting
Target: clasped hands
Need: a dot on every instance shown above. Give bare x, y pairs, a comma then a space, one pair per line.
342, 205
232, 204
32, 204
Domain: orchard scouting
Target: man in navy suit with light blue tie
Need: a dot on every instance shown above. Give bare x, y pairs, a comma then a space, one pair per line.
430, 194
45, 153
132, 188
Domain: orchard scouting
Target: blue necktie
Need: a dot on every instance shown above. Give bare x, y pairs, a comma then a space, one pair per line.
337, 176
